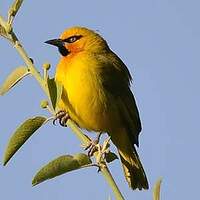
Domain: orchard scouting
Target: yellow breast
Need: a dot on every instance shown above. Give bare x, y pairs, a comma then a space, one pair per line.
83, 97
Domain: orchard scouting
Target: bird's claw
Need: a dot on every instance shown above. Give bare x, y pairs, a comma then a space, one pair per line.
93, 146
62, 116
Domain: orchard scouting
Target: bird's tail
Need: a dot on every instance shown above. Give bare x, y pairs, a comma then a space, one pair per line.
133, 169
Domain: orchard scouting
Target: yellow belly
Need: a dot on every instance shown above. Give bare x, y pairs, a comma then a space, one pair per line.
84, 98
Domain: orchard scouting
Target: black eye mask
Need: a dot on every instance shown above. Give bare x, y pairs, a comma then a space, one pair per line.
73, 38
63, 51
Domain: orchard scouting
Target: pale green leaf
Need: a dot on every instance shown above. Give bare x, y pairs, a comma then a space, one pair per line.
2, 31
15, 7
156, 190
21, 135
14, 77
109, 198
59, 92
82, 159
60, 166
110, 156
55, 91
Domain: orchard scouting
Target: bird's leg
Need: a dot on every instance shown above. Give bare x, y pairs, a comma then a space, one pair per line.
92, 147
102, 150
62, 116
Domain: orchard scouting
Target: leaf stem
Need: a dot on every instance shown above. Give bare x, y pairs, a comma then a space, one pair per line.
107, 175
28, 62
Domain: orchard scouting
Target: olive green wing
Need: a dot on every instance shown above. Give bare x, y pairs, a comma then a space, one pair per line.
116, 79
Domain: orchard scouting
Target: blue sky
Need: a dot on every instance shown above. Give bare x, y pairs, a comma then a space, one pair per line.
159, 41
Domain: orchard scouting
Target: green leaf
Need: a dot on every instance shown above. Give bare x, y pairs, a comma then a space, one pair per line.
110, 156
14, 77
156, 190
82, 159
21, 135
2, 31
59, 92
55, 91
15, 7
60, 166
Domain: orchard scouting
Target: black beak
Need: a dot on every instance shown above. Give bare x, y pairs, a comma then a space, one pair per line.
56, 42
60, 44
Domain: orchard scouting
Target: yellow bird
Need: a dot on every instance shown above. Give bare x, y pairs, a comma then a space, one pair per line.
97, 95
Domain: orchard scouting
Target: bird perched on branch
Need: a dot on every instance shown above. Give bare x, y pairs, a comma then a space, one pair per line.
97, 95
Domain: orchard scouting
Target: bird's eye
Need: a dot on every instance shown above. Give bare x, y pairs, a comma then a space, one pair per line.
72, 38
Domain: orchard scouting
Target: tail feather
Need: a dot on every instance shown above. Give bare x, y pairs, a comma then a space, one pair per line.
133, 169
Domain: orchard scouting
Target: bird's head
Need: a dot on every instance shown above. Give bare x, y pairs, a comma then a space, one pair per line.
77, 39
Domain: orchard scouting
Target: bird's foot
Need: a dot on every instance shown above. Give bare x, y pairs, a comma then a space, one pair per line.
62, 116
102, 150
93, 146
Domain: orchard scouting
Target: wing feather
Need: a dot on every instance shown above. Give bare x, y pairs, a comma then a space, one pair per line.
116, 80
